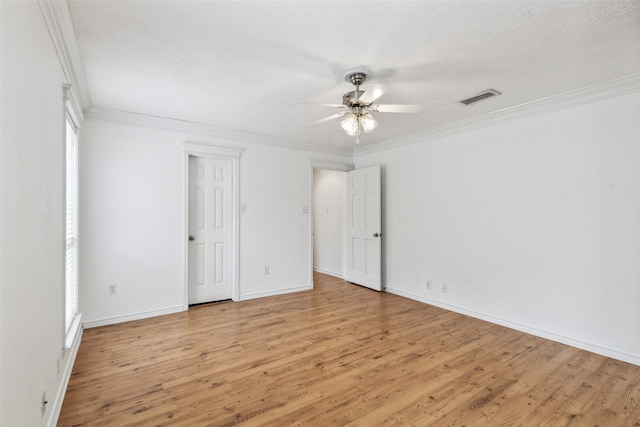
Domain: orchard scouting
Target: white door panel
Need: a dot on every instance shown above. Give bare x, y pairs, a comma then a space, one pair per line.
210, 231
364, 227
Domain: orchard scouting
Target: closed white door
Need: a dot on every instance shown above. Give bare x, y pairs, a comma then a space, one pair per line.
364, 231
210, 230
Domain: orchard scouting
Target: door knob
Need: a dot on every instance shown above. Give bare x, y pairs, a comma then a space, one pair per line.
192, 238
377, 234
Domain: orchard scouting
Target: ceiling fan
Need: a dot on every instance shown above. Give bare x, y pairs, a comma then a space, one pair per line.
358, 105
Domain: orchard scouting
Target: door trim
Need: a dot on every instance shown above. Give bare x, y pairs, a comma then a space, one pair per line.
213, 152
323, 165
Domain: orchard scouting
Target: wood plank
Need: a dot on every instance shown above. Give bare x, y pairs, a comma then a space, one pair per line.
339, 354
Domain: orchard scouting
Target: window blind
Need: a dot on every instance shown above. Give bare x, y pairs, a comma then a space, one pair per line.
71, 276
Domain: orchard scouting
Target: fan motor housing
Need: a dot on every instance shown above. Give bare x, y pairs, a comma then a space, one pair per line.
349, 97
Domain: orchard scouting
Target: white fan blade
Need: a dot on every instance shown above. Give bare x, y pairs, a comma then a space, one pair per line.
331, 117
372, 93
396, 108
324, 105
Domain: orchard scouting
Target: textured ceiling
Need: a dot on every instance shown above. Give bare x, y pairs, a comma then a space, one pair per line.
253, 66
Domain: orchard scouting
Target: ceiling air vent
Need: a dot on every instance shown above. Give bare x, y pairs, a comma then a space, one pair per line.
479, 97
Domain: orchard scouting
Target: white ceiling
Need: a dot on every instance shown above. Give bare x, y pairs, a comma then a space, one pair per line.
252, 66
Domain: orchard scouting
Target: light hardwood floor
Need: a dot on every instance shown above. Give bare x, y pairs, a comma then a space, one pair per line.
339, 355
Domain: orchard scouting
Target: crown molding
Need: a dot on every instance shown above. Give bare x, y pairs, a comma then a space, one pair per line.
58, 21
175, 125
610, 89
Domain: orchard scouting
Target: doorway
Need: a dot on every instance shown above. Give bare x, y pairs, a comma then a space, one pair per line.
328, 219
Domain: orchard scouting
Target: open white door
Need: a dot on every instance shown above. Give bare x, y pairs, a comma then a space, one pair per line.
364, 231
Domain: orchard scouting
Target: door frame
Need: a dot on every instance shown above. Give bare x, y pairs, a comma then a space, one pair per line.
322, 165
222, 153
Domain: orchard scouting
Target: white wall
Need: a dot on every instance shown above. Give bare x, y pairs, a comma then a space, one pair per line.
32, 218
329, 216
533, 223
274, 185
132, 219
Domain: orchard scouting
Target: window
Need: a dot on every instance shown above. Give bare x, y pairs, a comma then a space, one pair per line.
71, 274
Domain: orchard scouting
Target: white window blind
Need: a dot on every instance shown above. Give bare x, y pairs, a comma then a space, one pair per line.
71, 289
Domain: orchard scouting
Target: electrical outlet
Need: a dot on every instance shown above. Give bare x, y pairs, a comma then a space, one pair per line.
444, 288
428, 285
43, 403
265, 270
113, 289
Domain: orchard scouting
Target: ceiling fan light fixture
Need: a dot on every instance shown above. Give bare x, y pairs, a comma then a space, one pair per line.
357, 105
368, 122
350, 124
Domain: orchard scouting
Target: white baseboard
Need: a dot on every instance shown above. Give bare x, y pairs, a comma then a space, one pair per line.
67, 368
134, 316
594, 348
330, 273
274, 292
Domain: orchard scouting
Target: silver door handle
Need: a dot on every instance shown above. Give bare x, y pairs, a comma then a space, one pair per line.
192, 238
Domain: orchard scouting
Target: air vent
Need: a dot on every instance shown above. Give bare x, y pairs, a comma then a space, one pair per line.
479, 97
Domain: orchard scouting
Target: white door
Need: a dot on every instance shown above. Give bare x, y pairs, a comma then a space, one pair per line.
210, 230
364, 232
